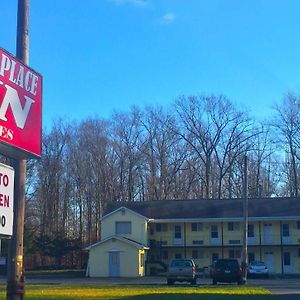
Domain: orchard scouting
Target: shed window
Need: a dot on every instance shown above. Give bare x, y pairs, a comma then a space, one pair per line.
142, 260
123, 227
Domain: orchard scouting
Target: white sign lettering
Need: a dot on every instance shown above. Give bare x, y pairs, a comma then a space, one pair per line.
11, 98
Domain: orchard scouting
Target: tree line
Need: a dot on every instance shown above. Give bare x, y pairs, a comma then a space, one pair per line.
193, 149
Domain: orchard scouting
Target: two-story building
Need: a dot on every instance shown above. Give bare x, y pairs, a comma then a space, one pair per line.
134, 233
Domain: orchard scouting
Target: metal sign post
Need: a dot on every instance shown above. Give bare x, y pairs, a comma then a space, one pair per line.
15, 276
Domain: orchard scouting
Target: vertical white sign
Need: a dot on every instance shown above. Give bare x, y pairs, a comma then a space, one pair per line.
6, 199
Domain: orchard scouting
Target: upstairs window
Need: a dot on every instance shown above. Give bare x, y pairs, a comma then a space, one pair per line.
161, 227
250, 230
233, 226
214, 231
285, 230
197, 226
123, 227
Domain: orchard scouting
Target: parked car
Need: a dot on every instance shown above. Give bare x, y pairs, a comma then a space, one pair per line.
226, 270
181, 270
257, 268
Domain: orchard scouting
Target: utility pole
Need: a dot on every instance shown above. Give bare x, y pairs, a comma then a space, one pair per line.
245, 223
15, 275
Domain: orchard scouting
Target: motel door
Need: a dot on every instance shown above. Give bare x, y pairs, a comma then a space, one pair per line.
114, 264
269, 261
268, 234
178, 235
286, 238
287, 267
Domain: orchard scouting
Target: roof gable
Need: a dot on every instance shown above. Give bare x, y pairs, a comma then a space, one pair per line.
119, 238
124, 208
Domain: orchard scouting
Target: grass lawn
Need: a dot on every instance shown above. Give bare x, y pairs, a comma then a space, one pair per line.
143, 292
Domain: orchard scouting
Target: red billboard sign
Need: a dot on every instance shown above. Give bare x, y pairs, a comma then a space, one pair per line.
20, 108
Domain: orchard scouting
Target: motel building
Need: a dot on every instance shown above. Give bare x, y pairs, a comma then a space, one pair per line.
140, 238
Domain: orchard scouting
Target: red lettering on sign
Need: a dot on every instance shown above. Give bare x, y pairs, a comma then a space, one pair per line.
4, 200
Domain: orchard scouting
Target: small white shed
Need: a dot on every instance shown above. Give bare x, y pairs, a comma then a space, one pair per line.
116, 256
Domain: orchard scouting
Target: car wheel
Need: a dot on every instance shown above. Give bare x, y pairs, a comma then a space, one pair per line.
214, 282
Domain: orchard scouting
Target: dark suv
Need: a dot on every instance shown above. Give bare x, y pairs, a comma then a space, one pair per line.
226, 270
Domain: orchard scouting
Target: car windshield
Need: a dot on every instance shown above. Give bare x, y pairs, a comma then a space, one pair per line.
257, 264
181, 263
227, 264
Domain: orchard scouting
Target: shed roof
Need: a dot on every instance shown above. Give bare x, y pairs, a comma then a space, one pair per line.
279, 207
119, 238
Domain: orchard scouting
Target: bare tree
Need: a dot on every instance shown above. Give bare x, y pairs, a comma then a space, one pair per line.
287, 126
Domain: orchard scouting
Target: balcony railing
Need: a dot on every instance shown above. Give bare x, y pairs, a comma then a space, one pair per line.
232, 240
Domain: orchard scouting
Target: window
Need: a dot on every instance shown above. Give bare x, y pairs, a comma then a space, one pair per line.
165, 255
177, 232
161, 243
198, 242
161, 227
251, 257
233, 226
214, 257
285, 230
197, 226
232, 242
214, 231
194, 254
142, 260
234, 253
250, 230
286, 258
178, 255
151, 230
123, 227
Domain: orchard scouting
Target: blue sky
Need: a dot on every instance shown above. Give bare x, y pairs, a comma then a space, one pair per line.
97, 56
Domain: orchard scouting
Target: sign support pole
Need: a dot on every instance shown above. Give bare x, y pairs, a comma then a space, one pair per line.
245, 223
15, 276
